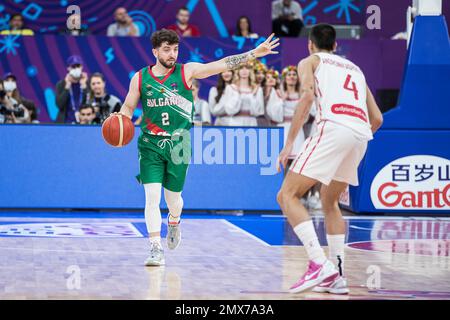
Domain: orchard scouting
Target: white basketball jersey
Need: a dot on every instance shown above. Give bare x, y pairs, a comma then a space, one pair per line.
341, 94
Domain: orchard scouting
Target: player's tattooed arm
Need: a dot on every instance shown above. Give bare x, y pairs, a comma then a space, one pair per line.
195, 70
232, 62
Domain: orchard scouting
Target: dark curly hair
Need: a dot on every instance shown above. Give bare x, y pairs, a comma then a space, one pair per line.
164, 35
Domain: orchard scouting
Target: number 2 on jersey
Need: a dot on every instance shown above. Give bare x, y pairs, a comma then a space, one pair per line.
353, 88
165, 119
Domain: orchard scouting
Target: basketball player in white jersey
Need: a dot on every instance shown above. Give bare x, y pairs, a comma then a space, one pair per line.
347, 117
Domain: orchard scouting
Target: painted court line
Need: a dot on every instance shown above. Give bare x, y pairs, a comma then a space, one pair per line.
245, 232
347, 245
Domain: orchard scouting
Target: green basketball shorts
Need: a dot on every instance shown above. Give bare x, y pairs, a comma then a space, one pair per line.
164, 160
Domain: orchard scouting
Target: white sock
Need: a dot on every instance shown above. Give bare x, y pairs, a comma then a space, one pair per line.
173, 219
336, 243
156, 239
307, 235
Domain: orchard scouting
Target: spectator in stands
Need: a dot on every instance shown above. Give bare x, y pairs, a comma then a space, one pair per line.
104, 103
287, 18
201, 108
71, 91
4, 104
282, 113
273, 98
271, 84
217, 98
33, 116
124, 25
12, 91
11, 111
251, 97
87, 114
245, 100
244, 28
260, 72
17, 26
74, 27
182, 27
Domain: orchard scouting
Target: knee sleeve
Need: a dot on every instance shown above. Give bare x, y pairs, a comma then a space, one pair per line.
174, 202
152, 212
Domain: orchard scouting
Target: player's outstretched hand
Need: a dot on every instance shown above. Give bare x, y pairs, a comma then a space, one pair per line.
267, 47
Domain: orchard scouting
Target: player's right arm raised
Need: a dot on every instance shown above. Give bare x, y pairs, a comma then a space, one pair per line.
375, 115
132, 99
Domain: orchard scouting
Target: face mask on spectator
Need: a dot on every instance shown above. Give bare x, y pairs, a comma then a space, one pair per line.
9, 86
76, 72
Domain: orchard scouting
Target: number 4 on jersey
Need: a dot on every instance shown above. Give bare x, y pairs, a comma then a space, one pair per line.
353, 88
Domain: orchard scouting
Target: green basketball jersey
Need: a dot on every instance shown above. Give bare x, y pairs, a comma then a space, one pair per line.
167, 102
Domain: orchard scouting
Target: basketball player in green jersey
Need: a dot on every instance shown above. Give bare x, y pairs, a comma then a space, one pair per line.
164, 144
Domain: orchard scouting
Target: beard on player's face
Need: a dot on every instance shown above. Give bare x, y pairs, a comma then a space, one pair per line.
167, 63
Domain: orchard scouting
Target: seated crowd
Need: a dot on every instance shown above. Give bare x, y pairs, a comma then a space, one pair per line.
240, 98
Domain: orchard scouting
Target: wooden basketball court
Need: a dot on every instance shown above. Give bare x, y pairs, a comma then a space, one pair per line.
223, 257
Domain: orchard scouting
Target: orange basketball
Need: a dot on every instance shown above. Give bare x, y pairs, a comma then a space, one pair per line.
118, 130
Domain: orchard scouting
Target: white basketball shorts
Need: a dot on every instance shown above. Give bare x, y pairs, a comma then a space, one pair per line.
332, 153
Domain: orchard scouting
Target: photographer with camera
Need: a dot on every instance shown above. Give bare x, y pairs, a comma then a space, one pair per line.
10, 110
103, 103
12, 91
2, 103
71, 91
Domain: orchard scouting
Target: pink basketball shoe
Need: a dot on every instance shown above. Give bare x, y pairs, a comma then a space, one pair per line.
314, 276
335, 284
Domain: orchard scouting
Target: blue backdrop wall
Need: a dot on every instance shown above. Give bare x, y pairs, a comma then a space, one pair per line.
57, 166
